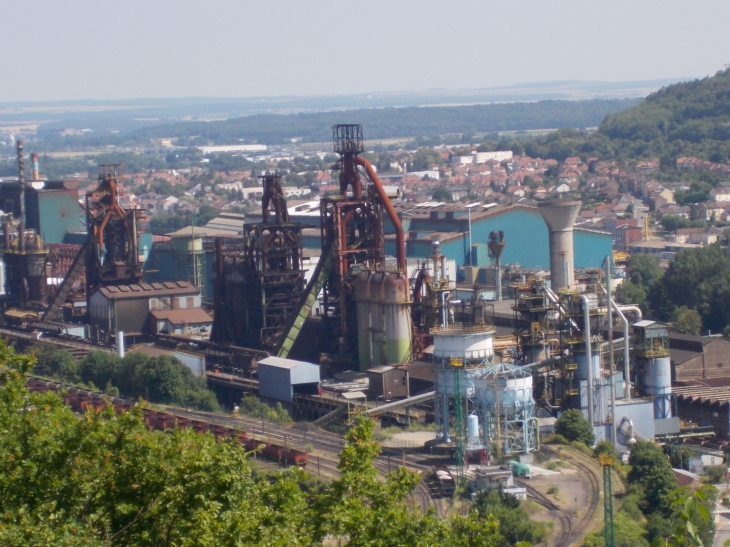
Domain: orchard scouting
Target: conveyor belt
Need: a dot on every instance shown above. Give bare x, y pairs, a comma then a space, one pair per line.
319, 277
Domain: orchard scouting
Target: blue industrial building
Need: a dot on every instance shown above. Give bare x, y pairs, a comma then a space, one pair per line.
524, 229
52, 207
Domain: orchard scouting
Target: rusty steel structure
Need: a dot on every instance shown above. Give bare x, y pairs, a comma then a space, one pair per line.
352, 229
24, 255
259, 284
113, 231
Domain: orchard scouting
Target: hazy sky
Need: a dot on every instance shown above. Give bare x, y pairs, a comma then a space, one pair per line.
118, 49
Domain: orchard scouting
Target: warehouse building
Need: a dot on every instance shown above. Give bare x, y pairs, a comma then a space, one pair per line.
127, 307
280, 379
52, 207
699, 358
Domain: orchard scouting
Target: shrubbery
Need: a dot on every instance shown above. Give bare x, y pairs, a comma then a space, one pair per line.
161, 379
574, 427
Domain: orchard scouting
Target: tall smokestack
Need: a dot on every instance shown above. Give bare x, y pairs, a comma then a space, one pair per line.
21, 185
496, 245
560, 215
34, 161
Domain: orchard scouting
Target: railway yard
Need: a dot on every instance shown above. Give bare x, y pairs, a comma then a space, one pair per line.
564, 495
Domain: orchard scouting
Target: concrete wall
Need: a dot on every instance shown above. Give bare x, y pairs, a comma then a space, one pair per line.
195, 362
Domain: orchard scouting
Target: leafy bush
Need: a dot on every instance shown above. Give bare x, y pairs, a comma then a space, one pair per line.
574, 427
161, 379
252, 406
605, 447
714, 474
514, 522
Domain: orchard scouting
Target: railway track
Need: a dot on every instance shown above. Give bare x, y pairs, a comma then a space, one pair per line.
326, 442
588, 468
566, 526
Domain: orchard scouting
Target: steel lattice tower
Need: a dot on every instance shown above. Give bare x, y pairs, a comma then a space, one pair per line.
459, 420
608, 530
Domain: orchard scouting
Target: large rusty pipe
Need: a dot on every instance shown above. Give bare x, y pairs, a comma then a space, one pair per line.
400, 240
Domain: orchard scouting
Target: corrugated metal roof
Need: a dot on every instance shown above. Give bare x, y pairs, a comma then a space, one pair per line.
643, 324
354, 395
279, 362
143, 290
701, 394
183, 315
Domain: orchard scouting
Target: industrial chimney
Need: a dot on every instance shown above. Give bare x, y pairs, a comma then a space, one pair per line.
34, 161
496, 246
560, 215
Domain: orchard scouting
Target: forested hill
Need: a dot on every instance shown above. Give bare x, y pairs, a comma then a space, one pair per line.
689, 118
380, 123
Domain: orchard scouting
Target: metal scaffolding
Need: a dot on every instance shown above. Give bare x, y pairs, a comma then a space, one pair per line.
504, 398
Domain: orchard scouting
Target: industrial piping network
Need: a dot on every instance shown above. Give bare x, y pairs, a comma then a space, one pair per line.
399, 404
618, 309
397, 225
589, 357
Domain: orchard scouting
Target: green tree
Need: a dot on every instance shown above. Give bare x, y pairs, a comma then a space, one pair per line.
629, 293
644, 270
107, 480
514, 522
64, 365
692, 516
686, 321
605, 447
574, 427
698, 279
672, 223
442, 194
650, 469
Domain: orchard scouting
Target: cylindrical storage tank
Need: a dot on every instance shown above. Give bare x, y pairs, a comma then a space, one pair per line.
469, 380
377, 318
473, 343
120, 344
507, 389
581, 373
396, 303
472, 426
657, 373
362, 295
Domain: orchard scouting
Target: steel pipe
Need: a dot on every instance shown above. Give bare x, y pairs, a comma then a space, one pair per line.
589, 356
400, 240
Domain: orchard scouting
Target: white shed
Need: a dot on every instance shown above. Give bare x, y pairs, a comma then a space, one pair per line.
280, 378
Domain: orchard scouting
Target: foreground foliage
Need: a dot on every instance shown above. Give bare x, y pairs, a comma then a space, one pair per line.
103, 480
654, 512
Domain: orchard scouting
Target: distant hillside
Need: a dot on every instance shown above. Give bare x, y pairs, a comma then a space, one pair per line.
684, 119
378, 123
690, 118
384, 123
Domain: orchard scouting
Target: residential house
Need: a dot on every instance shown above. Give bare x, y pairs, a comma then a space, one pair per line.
709, 209
720, 193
